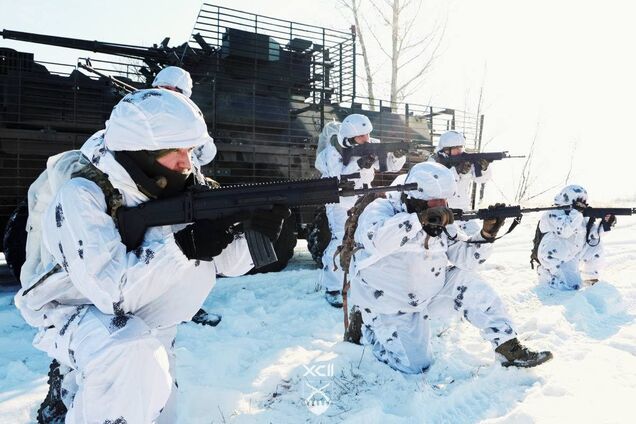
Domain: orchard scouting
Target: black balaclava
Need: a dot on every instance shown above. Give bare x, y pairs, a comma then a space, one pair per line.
152, 178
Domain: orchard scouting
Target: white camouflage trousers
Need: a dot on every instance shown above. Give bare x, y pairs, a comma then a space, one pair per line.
122, 370
331, 275
558, 269
403, 341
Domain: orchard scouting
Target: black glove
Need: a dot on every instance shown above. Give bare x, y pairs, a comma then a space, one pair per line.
440, 216
434, 220
367, 161
491, 226
204, 239
609, 221
463, 167
268, 222
580, 205
400, 153
484, 164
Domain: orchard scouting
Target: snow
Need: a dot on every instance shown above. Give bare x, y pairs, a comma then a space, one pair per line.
277, 329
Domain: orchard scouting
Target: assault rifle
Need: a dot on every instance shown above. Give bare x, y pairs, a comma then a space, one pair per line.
473, 158
503, 212
377, 149
602, 212
235, 201
515, 212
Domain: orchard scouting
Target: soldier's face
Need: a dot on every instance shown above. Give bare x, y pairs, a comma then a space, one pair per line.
178, 160
434, 203
454, 151
361, 139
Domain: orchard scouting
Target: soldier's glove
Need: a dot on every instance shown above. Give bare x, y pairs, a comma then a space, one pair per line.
204, 239
366, 162
463, 168
268, 222
580, 205
491, 226
609, 221
434, 220
484, 164
400, 153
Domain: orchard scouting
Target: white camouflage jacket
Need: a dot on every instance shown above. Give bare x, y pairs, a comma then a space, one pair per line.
155, 281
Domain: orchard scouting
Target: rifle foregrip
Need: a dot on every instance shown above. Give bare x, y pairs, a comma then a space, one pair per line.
261, 249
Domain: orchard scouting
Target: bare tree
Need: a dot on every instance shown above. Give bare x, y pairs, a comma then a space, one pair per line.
354, 7
572, 154
410, 56
526, 178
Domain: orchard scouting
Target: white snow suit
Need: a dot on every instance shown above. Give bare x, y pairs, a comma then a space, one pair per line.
402, 279
109, 314
329, 163
563, 249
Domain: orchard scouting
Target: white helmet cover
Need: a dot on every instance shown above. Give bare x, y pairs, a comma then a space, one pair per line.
450, 139
205, 153
569, 194
353, 126
173, 76
434, 181
153, 120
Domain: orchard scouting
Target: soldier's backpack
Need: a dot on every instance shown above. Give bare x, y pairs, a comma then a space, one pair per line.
534, 255
60, 169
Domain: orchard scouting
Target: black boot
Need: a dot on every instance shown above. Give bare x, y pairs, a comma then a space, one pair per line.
52, 410
354, 331
205, 318
334, 298
517, 355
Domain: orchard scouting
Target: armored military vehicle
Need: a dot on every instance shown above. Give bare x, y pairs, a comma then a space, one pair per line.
266, 87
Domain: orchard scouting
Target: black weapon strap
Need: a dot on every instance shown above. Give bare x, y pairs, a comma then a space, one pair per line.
588, 231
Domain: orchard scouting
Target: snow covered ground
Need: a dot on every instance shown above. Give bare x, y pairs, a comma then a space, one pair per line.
259, 363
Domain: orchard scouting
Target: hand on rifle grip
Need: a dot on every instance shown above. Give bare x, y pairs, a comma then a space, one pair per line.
463, 168
484, 164
366, 162
491, 226
204, 239
399, 153
609, 220
268, 222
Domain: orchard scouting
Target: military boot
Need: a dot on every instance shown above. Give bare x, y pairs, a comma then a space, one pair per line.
517, 355
353, 333
52, 410
334, 298
206, 318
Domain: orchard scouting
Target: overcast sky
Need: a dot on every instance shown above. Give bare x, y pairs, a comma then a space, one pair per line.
565, 67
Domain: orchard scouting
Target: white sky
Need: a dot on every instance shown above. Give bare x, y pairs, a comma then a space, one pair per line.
566, 67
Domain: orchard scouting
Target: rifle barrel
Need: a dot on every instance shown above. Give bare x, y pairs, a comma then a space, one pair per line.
367, 190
